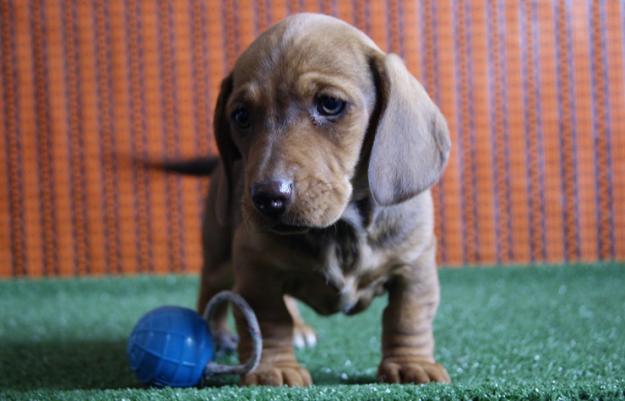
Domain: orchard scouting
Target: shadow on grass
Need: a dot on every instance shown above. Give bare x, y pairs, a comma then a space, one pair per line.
80, 365
65, 365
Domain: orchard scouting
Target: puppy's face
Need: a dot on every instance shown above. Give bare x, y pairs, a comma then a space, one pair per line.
299, 106
295, 111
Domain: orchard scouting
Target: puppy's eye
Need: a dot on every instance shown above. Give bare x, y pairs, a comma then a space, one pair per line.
330, 106
241, 117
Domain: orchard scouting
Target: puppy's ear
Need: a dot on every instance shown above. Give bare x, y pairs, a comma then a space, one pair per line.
227, 150
411, 144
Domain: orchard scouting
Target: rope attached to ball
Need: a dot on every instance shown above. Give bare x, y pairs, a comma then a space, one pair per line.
213, 369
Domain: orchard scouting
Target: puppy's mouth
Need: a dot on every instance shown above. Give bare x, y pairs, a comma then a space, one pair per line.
288, 229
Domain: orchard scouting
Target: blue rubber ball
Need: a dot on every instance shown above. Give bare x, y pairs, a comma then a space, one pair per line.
170, 346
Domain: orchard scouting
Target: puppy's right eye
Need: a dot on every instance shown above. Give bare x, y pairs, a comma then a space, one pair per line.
330, 106
241, 117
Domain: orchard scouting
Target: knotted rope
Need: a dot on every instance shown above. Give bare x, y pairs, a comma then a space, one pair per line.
214, 369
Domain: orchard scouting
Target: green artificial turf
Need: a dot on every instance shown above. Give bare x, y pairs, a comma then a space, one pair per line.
550, 333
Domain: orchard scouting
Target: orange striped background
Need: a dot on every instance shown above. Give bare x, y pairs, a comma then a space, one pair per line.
534, 93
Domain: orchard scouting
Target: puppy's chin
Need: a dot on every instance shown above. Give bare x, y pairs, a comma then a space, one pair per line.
291, 223
286, 229
288, 225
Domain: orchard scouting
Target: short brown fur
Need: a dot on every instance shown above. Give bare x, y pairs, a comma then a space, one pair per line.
361, 221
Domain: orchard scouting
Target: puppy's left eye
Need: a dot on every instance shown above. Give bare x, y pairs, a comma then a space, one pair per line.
241, 117
330, 106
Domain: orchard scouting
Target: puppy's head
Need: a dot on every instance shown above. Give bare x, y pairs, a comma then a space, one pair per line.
311, 105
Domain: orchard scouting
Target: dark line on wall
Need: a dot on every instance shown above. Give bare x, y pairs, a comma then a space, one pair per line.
108, 158
164, 128
622, 9
595, 131
539, 129
103, 189
571, 78
114, 161
46, 170
570, 212
14, 149
390, 25
179, 224
268, 14
133, 134
169, 135
143, 212
494, 107
400, 28
459, 124
602, 165
506, 129
528, 130
145, 140
208, 111
201, 93
437, 98
558, 56
367, 14
256, 9
608, 119
76, 145
424, 25
225, 34
472, 151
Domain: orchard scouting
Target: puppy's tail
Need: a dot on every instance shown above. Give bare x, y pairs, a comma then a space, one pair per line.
198, 167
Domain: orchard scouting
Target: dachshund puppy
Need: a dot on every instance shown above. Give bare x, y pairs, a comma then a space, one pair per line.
328, 148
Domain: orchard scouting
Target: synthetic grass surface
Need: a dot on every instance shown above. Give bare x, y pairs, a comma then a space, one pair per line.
550, 333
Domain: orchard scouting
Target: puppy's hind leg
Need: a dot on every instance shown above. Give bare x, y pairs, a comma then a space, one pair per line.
303, 335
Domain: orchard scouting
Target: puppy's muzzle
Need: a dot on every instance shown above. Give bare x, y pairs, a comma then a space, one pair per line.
272, 198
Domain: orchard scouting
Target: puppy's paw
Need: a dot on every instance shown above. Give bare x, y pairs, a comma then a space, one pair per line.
409, 370
304, 336
291, 375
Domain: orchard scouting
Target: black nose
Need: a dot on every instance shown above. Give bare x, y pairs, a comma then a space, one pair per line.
273, 197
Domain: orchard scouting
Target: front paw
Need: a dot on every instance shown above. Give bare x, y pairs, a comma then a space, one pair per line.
292, 375
411, 370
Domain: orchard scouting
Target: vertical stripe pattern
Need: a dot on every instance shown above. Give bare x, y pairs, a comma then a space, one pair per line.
499, 132
46, 171
109, 158
567, 131
602, 141
14, 246
532, 91
533, 133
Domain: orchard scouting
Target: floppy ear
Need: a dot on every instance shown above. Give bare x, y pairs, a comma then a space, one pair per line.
411, 144
228, 152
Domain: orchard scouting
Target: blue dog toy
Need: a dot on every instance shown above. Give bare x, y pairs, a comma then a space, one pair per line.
172, 346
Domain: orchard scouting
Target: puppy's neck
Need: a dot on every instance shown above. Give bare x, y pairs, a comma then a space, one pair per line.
382, 225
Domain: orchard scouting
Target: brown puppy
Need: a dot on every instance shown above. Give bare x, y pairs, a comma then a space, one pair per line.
328, 150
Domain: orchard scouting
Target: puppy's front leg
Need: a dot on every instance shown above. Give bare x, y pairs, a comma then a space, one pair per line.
407, 338
278, 365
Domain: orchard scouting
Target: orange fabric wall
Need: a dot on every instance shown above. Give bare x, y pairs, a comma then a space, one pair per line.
534, 93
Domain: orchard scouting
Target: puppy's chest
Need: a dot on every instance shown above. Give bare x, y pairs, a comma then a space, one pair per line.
348, 251
348, 265
354, 246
